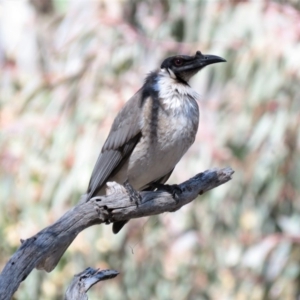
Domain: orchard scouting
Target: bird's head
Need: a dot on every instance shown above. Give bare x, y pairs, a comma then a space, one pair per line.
183, 67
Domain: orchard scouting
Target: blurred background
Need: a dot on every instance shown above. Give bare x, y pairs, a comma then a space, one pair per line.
68, 66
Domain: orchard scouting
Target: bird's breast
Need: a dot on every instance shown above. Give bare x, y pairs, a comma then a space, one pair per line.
167, 133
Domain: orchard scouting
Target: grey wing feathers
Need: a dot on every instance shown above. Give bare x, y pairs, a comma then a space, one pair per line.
126, 125
123, 137
105, 164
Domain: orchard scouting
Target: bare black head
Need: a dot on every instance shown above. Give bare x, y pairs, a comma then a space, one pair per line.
183, 67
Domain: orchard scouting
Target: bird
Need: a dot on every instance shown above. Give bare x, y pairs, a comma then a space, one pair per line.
153, 130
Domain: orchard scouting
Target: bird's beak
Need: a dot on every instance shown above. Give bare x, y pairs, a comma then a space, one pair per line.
207, 59
200, 61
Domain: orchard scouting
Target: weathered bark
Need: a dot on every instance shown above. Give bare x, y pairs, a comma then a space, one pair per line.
44, 250
83, 281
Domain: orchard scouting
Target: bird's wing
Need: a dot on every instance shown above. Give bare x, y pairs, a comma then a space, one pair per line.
123, 137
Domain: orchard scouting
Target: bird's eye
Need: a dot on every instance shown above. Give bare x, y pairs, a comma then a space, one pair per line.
178, 62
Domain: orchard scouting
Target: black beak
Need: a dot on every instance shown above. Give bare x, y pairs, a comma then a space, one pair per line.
211, 59
206, 59
200, 61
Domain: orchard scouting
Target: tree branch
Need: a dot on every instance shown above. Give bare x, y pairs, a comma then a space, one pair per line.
83, 281
44, 250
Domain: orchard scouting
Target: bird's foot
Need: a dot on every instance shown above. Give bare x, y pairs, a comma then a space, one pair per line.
173, 189
134, 195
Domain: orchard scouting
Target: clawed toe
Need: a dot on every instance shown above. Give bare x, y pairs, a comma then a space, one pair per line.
134, 195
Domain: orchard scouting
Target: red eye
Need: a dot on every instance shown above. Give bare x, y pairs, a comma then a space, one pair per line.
178, 62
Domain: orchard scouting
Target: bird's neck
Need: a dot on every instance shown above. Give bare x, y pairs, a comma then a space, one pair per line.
172, 93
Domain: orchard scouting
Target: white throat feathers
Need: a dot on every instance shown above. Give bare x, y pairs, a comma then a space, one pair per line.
175, 95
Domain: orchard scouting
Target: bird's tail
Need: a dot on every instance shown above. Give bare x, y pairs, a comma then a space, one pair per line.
117, 226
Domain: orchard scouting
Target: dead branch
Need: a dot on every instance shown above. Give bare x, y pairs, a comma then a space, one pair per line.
44, 250
83, 281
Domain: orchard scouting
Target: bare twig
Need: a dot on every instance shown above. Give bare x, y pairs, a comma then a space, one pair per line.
83, 281
44, 250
